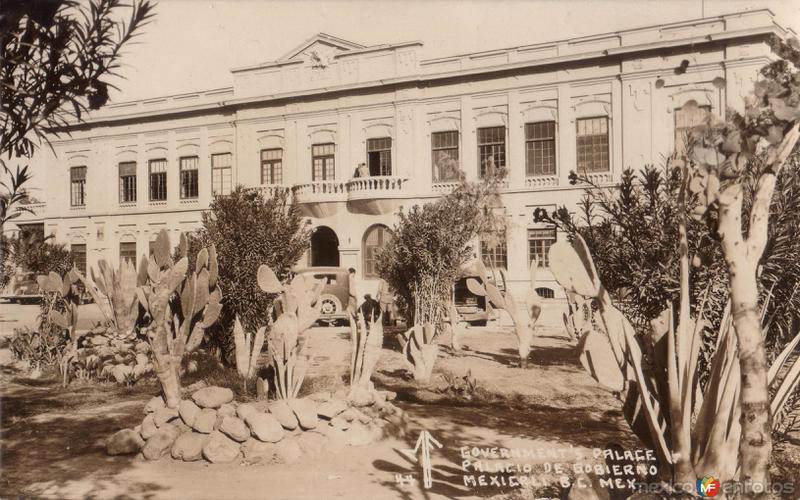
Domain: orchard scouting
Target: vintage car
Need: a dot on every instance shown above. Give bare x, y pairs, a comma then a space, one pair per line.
335, 294
472, 308
23, 289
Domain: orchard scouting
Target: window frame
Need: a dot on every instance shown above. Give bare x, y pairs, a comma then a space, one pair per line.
369, 260
128, 184
383, 153
709, 110
121, 254
74, 253
435, 170
80, 184
500, 249
187, 177
607, 148
531, 142
274, 165
155, 188
500, 162
229, 168
325, 164
543, 262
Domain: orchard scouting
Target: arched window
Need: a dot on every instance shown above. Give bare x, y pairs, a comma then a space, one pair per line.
374, 238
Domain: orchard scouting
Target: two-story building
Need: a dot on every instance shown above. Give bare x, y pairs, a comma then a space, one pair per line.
357, 133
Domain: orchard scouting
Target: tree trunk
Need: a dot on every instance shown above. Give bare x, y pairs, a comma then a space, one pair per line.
755, 444
166, 371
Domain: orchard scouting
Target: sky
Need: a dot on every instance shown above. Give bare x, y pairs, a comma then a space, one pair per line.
192, 44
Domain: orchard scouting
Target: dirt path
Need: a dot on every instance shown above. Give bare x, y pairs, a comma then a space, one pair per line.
53, 438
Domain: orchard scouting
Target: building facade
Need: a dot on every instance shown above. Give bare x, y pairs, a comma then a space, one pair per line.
357, 133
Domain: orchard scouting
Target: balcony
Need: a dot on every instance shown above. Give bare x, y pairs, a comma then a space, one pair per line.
270, 190
320, 198
376, 195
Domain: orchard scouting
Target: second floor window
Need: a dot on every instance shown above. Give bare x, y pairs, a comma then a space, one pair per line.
77, 186
491, 149
592, 144
379, 156
127, 182
540, 148
686, 118
322, 162
158, 180
444, 156
221, 175
272, 166
189, 177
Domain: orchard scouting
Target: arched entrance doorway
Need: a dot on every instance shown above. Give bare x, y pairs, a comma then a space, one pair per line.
324, 247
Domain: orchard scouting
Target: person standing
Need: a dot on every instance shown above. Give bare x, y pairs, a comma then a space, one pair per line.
352, 301
386, 300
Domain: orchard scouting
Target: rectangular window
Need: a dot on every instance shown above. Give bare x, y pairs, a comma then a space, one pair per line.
189, 177
491, 149
686, 118
127, 250
158, 180
77, 184
444, 156
127, 182
322, 161
272, 166
221, 175
494, 253
592, 144
540, 148
379, 156
539, 243
79, 256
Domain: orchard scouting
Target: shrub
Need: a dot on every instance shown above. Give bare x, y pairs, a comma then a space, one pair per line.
41, 257
41, 349
248, 230
431, 243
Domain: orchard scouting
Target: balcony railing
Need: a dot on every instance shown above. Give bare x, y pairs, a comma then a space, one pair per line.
320, 191
541, 181
270, 190
384, 186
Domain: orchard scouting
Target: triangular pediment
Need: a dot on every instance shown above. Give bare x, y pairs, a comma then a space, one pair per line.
320, 47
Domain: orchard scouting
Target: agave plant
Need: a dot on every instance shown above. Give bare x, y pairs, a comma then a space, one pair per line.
523, 322
115, 294
58, 287
366, 339
248, 348
692, 432
296, 309
178, 308
420, 350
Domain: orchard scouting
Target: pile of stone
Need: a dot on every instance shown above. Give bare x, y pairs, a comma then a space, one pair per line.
108, 356
211, 426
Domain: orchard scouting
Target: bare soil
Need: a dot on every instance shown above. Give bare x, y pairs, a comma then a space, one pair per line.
52, 438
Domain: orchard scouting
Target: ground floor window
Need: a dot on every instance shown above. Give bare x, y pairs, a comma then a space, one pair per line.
127, 250
374, 239
539, 243
79, 256
494, 251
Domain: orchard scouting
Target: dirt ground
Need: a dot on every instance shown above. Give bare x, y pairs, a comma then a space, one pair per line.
52, 438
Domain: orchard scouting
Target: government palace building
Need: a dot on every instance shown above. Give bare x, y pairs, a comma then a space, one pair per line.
358, 133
